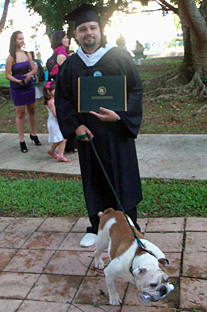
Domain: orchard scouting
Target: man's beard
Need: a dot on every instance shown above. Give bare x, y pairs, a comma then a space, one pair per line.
90, 44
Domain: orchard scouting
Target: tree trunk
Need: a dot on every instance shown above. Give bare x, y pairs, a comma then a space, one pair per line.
48, 32
194, 24
187, 68
4, 15
191, 76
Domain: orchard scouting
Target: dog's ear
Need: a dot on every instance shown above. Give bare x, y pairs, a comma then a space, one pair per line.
139, 271
163, 261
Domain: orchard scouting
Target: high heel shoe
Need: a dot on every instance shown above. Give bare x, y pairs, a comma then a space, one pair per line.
35, 139
23, 147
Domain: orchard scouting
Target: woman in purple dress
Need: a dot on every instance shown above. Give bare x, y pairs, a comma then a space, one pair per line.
19, 70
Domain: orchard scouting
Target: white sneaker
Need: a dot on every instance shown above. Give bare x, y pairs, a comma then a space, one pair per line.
88, 240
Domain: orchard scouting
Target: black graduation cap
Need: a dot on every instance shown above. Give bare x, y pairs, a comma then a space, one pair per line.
85, 13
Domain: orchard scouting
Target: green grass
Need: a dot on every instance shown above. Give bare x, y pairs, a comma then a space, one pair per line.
23, 195
172, 198
153, 67
40, 197
7, 118
3, 81
174, 118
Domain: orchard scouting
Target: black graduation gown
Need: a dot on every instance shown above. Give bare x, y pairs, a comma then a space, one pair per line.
114, 141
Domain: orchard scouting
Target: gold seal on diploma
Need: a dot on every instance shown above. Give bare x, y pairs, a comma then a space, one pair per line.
102, 90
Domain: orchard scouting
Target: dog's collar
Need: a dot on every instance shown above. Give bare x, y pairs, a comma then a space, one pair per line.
138, 251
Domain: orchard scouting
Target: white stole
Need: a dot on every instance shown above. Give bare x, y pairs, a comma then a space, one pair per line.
92, 59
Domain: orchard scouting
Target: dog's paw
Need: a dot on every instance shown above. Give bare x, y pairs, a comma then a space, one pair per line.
99, 264
115, 299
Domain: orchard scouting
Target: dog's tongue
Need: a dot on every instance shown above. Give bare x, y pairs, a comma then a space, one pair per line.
144, 298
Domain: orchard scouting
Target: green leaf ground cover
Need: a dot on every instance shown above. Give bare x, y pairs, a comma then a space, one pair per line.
54, 196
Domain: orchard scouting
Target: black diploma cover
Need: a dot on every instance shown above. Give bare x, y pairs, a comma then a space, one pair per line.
105, 91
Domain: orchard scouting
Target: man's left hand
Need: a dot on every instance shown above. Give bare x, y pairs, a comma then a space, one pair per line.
105, 114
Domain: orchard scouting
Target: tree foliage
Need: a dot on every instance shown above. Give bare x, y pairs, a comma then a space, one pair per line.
193, 16
53, 11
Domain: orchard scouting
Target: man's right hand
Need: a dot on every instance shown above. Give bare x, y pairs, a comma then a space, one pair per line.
81, 130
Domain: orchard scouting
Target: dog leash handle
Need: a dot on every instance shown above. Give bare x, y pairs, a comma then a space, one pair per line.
82, 137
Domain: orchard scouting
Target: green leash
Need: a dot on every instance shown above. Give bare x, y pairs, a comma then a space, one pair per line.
86, 136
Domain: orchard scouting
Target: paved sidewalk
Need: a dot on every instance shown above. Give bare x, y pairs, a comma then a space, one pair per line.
43, 269
160, 156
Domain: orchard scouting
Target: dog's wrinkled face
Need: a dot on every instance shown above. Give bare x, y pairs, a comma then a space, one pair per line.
157, 289
151, 281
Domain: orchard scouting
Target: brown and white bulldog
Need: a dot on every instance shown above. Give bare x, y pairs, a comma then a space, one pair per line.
143, 267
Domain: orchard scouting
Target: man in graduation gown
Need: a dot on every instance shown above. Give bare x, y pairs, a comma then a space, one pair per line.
113, 133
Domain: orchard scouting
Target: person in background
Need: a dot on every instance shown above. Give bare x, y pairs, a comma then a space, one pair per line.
139, 47
19, 70
60, 44
113, 133
34, 77
121, 42
39, 76
55, 135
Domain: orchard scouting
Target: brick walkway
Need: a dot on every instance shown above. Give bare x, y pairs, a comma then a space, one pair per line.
43, 269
